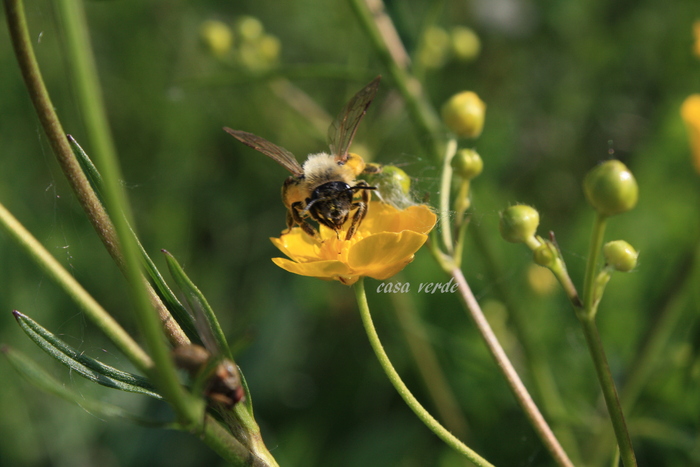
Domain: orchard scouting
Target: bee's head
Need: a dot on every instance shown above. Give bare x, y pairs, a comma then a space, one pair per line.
330, 204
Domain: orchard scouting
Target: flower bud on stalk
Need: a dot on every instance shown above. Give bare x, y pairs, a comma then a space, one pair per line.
519, 225
216, 37
464, 114
620, 255
611, 188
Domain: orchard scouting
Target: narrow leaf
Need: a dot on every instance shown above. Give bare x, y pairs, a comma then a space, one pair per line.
81, 363
204, 317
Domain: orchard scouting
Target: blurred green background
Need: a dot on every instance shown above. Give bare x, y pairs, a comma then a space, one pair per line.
567, 84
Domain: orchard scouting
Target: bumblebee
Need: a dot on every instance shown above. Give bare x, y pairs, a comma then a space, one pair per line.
325, 188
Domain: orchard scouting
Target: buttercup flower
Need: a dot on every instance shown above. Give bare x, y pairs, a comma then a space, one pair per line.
383, 245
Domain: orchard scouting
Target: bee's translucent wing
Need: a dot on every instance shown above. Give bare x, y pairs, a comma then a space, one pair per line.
283, 157
342, 130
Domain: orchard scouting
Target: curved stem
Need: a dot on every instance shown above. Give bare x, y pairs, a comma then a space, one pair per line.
401, 387
445, 188
519, 390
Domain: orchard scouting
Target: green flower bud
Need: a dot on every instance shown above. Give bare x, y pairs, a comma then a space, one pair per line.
249, 28
620, 255
393, 186
464, 114
392, 178
467, 164
465, 44
611, 188
435, 48
519, 224
216, 36
269, 48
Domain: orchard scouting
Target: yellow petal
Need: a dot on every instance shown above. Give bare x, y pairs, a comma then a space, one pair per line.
690, 111
383, 217
296, 244
320, 269
382, 253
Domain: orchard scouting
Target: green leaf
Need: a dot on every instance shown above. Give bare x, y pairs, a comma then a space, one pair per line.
207, 325
40, 378
81, 363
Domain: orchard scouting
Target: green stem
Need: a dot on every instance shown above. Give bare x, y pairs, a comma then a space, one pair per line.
89, 305
586, 316
401, 387
593, 253
519, 390
421, 113
445, 189
607, 384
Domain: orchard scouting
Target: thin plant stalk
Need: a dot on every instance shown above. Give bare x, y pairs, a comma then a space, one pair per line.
519, 390
445, 189
401, 387
586, 316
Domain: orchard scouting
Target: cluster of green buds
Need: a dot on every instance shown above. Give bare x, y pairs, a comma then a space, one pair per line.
611, 189
440, 46
246, 43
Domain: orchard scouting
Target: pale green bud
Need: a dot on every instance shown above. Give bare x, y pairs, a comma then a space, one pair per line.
464, 114
620, 255
611, 188
467, 164
216, 36
519, 223
466, 45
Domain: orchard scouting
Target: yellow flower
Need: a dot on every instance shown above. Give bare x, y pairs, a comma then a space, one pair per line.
383, 245
690, 111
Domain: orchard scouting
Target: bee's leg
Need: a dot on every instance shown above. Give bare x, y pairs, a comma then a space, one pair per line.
297, 219
361, 211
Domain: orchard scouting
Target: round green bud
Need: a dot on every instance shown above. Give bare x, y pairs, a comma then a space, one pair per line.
464, 114
435, 47
620, 255
466, 45
611, 188
544, 255
391, 178
216, 36
519, 223
269, 48
467, 164
249, 28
